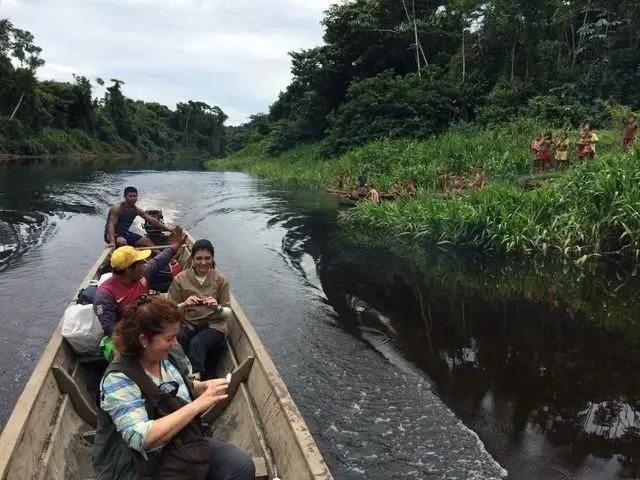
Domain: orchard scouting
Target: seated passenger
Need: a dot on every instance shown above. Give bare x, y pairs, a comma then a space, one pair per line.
121, 217
131, 274
202, 292
149, 411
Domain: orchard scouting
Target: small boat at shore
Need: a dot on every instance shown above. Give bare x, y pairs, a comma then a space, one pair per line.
50, 431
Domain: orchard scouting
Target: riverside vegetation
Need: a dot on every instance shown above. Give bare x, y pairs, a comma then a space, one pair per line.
399, 89
588, 211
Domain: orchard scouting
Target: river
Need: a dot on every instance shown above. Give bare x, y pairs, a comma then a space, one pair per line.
388, 354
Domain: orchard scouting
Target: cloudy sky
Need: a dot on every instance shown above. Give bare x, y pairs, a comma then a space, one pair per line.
231, 53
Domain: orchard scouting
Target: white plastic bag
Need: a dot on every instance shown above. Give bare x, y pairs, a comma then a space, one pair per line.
81, 328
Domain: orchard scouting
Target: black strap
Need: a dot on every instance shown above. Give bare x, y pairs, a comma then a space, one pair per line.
131, 367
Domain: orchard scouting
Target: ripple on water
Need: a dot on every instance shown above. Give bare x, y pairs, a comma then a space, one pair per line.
370, 418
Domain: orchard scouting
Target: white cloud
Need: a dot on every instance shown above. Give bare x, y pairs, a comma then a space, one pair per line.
231, 53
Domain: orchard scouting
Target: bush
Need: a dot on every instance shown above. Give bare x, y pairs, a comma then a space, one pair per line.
391, 106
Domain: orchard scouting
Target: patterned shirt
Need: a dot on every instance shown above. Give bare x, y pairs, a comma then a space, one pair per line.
122, 399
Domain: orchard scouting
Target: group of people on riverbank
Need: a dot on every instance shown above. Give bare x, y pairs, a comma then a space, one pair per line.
362, 190
162, 354
366, 191
544, 148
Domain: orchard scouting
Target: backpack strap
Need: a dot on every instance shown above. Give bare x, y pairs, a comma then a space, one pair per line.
131, 367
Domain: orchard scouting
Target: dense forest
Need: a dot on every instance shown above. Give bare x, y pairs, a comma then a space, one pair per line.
414, 68
50, 117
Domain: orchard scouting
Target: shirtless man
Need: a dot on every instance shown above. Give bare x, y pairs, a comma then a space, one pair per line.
412, 187
562, 148
536, 145
457, 184
397, 188
442, 181
372, 194
121, 217
629, 132
479, 181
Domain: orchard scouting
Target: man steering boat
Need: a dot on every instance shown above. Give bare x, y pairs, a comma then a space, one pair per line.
121, 217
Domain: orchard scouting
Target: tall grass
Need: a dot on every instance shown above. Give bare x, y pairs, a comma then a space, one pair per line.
591, 210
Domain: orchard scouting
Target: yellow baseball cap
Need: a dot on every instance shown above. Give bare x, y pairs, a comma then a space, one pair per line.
123, 257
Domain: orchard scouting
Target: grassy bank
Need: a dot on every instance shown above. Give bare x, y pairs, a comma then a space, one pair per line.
591, 210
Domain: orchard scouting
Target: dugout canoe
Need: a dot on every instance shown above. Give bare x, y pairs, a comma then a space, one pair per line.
49, 433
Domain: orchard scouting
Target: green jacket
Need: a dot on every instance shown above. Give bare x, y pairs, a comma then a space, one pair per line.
111, 456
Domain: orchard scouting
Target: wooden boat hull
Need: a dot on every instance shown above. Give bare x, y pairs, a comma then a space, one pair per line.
43, 438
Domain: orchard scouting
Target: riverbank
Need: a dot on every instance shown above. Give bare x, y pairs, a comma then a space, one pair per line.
585, 212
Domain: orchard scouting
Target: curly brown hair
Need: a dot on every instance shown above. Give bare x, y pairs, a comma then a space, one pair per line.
150, 315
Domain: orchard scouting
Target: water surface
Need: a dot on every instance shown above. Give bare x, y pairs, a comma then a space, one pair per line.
373, 342
370, 418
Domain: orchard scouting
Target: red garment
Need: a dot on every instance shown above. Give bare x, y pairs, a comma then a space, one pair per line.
124, 293
545, 155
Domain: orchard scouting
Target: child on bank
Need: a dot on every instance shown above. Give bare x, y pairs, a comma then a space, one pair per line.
562, 152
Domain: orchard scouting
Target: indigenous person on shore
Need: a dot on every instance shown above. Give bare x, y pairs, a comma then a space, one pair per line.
587, 148
629, 132
562, 151
583, 144
362, 183
340, 181
354, 194
545, 151
457, 184
442, 181
121, 217
397, 188
412, 187
479, 181
149, 410
131, 274
372, 194
593, 138
536, 146
202, 293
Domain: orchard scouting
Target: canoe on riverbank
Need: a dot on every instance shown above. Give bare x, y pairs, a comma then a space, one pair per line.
49, 433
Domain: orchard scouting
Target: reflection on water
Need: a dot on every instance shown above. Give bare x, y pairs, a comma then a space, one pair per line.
541, 362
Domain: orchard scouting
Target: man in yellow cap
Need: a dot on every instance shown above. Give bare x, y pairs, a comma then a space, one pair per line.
131, 274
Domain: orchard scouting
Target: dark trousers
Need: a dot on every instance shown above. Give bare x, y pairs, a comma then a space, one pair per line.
228, 462
203, 347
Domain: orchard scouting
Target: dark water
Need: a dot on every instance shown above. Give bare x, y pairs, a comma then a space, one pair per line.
541, 362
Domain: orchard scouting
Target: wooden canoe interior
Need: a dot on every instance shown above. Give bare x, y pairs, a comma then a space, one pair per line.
46, 437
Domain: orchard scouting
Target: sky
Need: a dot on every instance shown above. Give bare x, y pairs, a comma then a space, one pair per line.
230, 53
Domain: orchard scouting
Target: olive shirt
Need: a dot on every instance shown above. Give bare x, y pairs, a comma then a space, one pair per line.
215, 285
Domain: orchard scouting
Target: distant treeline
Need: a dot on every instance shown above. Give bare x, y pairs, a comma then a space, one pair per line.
51, 117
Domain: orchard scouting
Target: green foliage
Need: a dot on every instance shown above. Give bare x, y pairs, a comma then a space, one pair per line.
60, 117
391, 106
559, 62
589, 212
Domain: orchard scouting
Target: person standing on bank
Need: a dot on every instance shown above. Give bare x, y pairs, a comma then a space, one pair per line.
121, 217
149, 410
202, 293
